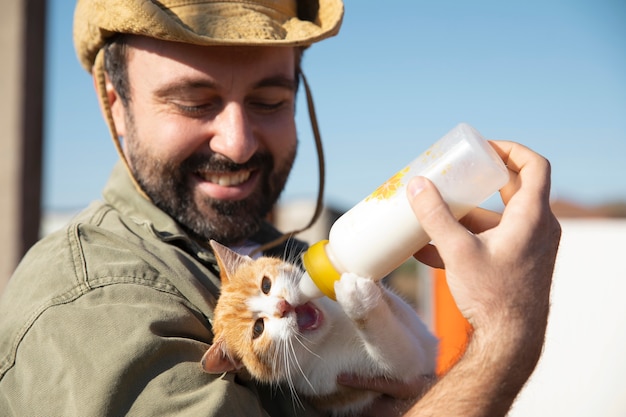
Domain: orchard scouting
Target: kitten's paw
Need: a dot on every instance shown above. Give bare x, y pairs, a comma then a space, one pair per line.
357, 295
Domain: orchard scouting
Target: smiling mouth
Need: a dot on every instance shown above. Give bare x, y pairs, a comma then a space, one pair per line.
226, 179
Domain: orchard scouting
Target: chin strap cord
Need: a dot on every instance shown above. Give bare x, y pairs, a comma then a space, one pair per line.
101, 89
319, 205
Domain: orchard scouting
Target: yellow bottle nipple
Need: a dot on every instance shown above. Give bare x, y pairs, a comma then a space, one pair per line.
320, 269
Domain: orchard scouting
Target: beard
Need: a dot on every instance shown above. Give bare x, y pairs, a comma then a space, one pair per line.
229, 222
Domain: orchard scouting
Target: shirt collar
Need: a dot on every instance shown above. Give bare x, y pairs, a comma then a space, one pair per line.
121, 193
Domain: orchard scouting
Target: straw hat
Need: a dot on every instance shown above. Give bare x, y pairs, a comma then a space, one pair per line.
205, 22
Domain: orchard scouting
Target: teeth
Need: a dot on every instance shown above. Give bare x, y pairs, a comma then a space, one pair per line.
228, 179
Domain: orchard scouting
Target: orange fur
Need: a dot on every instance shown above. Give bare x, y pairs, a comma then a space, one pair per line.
260, 325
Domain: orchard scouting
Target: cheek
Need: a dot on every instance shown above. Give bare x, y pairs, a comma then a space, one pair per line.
170, 139
277, 332
280, 135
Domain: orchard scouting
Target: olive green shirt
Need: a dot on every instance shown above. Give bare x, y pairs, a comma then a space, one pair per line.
111, 316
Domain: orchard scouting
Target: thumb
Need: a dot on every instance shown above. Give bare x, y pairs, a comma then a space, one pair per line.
435, 216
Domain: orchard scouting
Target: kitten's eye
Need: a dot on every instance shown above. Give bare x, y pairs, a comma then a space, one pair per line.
258, 328
266, 285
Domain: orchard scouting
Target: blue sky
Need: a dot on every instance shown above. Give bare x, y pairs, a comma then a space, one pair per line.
550, 74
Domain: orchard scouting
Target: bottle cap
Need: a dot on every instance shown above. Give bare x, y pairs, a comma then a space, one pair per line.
320, 269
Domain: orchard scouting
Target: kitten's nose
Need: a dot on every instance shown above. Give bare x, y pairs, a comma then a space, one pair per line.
283, 307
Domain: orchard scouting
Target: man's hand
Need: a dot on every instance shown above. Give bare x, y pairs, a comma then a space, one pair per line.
397, 396
500, 276
499, 270
505, 265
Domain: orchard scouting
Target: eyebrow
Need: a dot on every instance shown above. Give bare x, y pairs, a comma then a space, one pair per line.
278, 81
184, 85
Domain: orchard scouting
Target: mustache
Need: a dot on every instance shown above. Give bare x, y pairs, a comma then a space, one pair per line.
221, 163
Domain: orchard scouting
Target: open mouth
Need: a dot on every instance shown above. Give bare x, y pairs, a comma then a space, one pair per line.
308, 317
227, 185
225, 179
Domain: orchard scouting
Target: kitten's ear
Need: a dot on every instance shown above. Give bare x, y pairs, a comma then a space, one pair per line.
217, 360
227, 259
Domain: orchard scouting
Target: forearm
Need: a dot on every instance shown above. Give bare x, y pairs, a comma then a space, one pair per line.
486, 380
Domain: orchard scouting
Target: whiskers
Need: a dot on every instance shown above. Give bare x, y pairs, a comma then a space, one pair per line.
292, 252
286, 363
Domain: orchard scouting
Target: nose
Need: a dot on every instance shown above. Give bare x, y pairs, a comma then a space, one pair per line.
233, 135
283, 308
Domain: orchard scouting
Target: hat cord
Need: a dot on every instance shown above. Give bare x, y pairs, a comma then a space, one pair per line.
100, 82
319, 205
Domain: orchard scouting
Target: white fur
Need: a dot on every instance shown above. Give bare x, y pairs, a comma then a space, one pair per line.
369, 331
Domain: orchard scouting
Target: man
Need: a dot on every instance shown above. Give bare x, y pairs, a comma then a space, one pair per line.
111, 315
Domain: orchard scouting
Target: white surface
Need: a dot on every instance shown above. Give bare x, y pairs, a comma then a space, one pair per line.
583, 368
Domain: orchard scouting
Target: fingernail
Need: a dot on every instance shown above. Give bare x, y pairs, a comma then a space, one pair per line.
415, 186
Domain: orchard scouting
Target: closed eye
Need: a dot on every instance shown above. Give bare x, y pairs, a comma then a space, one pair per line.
197, 108
192, 110
267, 106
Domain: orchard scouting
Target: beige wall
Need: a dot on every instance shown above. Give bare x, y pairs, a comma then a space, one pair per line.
582, 370
22, 26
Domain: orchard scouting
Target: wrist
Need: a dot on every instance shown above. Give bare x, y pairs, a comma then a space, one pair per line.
508, 350
501, 354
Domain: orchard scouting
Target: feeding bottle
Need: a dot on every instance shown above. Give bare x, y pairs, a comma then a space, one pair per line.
381, 232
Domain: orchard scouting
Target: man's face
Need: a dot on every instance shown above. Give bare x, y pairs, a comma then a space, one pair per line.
209, 132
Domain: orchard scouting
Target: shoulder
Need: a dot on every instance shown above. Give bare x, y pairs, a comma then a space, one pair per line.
101, 262
97, 247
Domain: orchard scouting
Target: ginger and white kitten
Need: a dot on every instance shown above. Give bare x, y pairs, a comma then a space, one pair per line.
260, 323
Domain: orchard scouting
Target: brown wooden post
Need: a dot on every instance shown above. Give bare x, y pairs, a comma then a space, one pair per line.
22, 45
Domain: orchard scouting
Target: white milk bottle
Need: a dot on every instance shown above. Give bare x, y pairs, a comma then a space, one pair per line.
381, 232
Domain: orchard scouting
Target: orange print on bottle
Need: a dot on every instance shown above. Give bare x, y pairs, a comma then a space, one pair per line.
389, 187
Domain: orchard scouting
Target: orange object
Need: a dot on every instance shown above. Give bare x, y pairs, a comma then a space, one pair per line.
451, 327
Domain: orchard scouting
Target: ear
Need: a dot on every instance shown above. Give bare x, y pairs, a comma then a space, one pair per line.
217, 359
227, 259
117, 107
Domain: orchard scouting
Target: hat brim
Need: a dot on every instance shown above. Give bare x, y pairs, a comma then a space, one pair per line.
207, 22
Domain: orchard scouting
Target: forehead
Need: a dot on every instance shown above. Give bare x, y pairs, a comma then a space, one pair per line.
148, 54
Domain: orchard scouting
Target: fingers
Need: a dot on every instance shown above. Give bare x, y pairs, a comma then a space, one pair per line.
435, 217
397, 396
429, 255
530, 174
479, 220
528, 169
527, 195
392, 388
